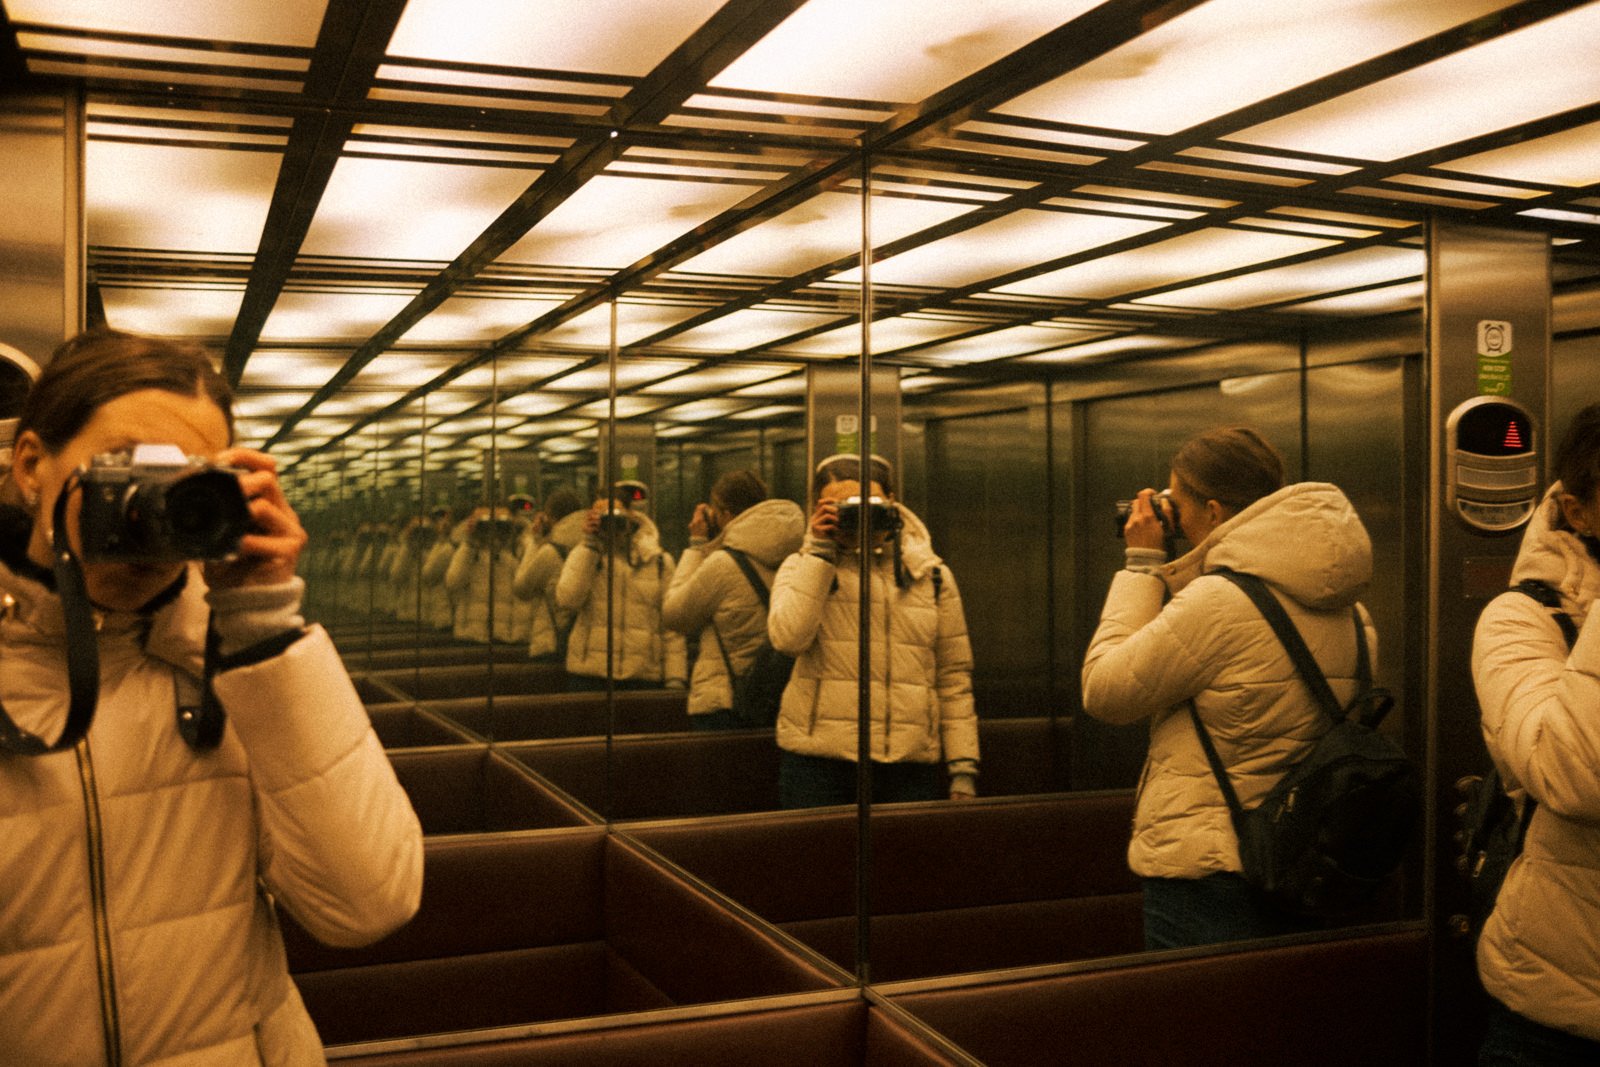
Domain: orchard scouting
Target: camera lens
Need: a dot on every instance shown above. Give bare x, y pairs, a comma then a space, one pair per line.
205, 514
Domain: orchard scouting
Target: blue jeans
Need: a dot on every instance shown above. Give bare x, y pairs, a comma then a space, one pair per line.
817, 781
1515, 1041
1183, 912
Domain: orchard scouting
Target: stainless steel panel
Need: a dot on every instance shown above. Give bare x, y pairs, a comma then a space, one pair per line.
988, 510
41, 230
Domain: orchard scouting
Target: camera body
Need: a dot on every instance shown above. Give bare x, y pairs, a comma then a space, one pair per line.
1166, 516
615, 524
885, 517
154, 504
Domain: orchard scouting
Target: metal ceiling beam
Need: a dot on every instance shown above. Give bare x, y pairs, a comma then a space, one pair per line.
736, 26
350, 45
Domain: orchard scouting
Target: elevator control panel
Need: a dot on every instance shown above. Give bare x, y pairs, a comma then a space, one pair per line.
1492, 466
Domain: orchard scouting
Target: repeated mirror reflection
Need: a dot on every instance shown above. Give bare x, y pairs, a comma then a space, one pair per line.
546, 287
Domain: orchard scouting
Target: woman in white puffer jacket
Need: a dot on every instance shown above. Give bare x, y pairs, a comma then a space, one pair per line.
1539, 954
140, 872
617, 578
923, 721
1149, 657
712, 597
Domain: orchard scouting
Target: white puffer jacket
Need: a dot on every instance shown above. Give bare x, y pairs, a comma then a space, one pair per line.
710, 589
1212, 644
1540, 951
438, 607
644, 649
922, 707
535, 583
480, 575
180, 857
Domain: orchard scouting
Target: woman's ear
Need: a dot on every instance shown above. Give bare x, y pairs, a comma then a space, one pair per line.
26, 454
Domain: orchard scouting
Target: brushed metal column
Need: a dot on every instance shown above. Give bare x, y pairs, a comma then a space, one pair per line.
41, 221
1476, 276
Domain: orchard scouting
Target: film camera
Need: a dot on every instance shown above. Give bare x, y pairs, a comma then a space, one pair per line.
156, 505
1167, 516
884, 517
615, 524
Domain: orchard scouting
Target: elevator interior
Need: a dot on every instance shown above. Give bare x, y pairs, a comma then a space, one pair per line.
436, 242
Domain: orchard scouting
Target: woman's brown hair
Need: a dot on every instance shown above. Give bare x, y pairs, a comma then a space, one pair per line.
1233, 465
99, 365
847, 468
737, 491
1577, 460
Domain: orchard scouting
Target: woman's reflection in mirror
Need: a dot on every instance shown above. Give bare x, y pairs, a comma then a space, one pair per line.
1151, 656
554, 531
924, 728
713, 599
620, 555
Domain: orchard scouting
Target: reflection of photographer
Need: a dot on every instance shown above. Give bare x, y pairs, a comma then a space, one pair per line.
621, 555
481, 575
923, 718
553, 532
205, 755
1208, 656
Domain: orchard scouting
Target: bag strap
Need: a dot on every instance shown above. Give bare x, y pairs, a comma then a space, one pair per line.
1295, 645
750, 574
1218, 771
1546, 594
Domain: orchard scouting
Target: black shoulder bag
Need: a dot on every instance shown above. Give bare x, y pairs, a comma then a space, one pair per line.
1340, 821
1492, 827
758, 691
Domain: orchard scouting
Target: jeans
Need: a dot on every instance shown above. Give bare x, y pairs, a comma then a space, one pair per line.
817, 781
1515, 1041
1183, 912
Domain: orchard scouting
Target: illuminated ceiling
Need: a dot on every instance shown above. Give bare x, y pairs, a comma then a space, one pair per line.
380, 210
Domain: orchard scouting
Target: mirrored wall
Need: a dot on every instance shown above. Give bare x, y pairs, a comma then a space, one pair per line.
509, 322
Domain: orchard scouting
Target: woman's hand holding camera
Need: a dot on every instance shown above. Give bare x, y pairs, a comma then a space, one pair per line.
1144, 528
703, 523
270, 552
825, 521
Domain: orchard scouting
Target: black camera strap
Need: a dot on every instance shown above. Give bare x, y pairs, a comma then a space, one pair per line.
83, 655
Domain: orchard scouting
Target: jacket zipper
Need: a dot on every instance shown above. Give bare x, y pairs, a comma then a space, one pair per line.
102, 919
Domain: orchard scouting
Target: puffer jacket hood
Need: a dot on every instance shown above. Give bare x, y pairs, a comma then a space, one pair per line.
710, 596
568, 530
1305, 540
766, 532
1539, 953
1210, 644
1552, 554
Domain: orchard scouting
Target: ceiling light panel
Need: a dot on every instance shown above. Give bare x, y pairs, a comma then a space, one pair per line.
1001, 344
179, 198
615, 220
835, 48
1137, 344
1227, 54
715, 379
1166, 263
474, 317
887, 335
397, 209
626, 37
628, 407
702, 410
1570, 158
281, 22
757, 327
636, 320
513, 372
1444, 102
1006, 244
339, 315
194, 311
274, 369
1385, 300
768, 412
630, 374
1351, 270
823, 230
